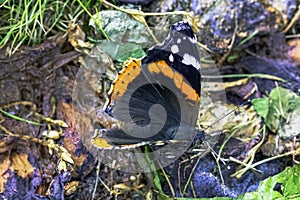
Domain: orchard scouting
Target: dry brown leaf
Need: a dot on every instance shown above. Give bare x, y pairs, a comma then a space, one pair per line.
77, 37
15, 162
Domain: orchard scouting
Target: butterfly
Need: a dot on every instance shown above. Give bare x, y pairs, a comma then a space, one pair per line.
156, 99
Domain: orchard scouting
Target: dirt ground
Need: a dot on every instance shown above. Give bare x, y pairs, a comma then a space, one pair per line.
46, 157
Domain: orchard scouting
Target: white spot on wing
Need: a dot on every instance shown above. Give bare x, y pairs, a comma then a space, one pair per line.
174, 49
178, 41
193, 40
171, 58
190, 60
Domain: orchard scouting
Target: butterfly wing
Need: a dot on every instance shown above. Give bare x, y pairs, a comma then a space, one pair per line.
158, 98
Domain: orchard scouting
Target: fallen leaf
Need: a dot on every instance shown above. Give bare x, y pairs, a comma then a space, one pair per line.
14, 163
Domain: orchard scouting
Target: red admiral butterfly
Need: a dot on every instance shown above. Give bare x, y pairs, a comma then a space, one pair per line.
156, 99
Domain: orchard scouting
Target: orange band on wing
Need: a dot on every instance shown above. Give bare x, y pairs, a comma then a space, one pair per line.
163, 67
127, 75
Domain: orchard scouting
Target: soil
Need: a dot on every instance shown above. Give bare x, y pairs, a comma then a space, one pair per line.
41, 79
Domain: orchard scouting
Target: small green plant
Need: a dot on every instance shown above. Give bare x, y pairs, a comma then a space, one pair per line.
29, 22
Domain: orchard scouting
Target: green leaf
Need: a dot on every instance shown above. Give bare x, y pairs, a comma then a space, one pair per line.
127, 36
288, 181
281, 112
121, 52
121, 28
261, 106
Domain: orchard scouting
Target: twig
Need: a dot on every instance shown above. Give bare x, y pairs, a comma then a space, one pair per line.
249, 160
96, 184
167, 179
230, 47
292, 22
